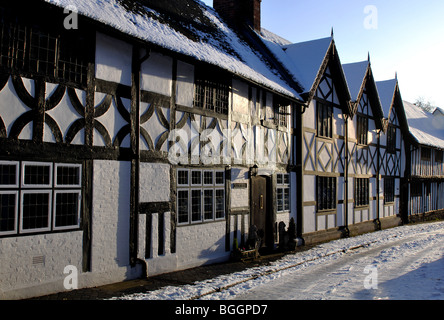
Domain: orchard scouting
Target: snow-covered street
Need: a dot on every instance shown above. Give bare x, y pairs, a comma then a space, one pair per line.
403, 263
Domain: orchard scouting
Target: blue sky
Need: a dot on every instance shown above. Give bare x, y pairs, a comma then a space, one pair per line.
406, 37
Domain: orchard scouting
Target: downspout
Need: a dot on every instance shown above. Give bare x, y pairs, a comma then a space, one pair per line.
378, 165
299, 172
346, 229
135, 150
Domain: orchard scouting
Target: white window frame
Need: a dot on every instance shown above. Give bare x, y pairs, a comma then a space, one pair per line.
212, 178
22, 194
191, 178
54, 210
177, 177
223, 177
283, 186
58, 165
17, 174
16, 193
190, 212
37, 186
188, 209
213, 200
223, 203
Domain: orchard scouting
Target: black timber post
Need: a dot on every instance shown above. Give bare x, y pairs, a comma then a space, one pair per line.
299, 170
135, 151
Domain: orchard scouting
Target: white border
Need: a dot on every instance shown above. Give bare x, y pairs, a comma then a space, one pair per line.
4, 233
37, 186
58, 165
22, 193
79, 194
17, 174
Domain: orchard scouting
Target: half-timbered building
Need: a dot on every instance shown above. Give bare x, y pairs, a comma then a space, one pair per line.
135, 136
140, 137
424, 161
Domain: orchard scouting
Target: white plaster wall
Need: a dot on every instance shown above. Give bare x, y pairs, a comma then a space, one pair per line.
113, 59
157, 73
20, 278
185, 84
154, 182
200, 244
240, 97
111, 216
240, 197
11, 106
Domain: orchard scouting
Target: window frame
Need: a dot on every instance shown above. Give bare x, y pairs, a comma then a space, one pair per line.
79, 203
202, 188
362, 129
324, 119
40, 164
22, 198
16, 207
211, 92
17, 174
283, 186
362, 192
22, 189
65, 61
389, 190
321, 206
391, 138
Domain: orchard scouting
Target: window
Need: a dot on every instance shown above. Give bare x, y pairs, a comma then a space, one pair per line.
391, 139
283, 192
326, 193
362, 129
48, 197
324, 120
438, 156
281, 115
426, 154
389, 189
201, 198
361, 192
37, 49
211, 93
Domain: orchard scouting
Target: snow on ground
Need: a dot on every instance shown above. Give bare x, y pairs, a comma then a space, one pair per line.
402, 263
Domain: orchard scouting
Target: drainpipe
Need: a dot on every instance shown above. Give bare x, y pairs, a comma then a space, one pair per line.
299, 172
346, 229
378, 162
135, 148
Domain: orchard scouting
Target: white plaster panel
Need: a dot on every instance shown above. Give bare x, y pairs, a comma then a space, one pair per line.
185, 84
111, 215
154, 182
20, 276
240, 97
113, 59
11, 106
200, 244
157, 73
240, 197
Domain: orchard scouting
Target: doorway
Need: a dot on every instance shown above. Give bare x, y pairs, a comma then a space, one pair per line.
261, 210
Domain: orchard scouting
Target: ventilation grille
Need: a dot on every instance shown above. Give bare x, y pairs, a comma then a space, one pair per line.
38, 260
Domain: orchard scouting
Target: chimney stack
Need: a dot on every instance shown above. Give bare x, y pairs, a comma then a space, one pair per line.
240, 12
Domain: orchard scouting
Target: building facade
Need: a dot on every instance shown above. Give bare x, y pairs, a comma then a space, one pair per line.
141, 140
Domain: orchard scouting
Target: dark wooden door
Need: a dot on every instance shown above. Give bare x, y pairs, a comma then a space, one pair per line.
259, 207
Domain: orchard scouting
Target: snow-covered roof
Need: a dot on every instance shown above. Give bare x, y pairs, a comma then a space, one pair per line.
386, 90
423, 127
307, 57
188, 27
355, 74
